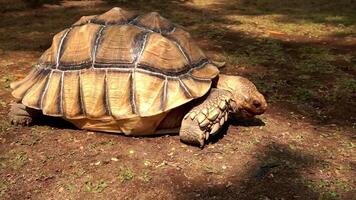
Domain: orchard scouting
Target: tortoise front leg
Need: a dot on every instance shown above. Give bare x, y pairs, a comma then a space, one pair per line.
21, 115
205, 119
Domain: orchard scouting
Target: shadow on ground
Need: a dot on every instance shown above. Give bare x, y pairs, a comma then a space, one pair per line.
279, 173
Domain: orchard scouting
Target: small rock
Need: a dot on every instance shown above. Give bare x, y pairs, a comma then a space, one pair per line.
229, 184
114, 159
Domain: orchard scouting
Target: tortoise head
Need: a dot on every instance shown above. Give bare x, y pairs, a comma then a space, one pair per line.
247, 100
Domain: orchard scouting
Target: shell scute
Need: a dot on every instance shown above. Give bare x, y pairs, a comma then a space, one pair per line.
78, 46
183, 38
72, 98
92, 83
162, 54
119, 92
208, 71
50, 55
115, 16
148, 93
84, 20
154, 22
117, 44
52, 99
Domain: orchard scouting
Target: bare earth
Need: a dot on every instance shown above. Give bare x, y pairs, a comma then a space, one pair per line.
302, 58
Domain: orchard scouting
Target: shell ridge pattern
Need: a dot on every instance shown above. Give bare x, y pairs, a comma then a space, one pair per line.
60, 45
95, 20
82, 104
36, 78
185, 89
106, 95
97, 43
132, 94
183, 52
61, 95
139, 48
141, 67
170, 29
133, 20
42, 73
200, 79
197, 65
165, 94
176, 42
45, 89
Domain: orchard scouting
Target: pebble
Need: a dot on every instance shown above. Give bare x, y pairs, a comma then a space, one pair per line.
114, 159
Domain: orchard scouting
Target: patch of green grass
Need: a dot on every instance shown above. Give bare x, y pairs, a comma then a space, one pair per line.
70, 187
125, 174
5, 81
350, 145
14, 159
343, 88
96, 187
299, 138
260, 52
4, 126
3, 188
146, 177
303, 94
79, 173
312, 59
3, 104
20, 158
108, 143
213, 32
30, 140
272, 160
92, 146
349, 84
329, 189
209, 169
343, 185
296, 17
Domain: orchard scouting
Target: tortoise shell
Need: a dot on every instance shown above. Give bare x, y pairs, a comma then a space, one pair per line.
119, 65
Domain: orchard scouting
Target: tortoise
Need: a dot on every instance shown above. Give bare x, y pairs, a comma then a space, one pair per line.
133, 74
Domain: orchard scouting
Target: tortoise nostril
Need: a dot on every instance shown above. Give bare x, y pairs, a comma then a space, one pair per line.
256, 103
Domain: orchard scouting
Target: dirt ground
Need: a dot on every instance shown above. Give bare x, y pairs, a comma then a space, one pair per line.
300, 53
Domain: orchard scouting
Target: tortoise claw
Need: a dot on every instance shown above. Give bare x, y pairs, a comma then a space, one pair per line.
19, 115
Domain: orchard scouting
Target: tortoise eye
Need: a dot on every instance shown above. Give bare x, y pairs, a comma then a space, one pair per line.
256, 103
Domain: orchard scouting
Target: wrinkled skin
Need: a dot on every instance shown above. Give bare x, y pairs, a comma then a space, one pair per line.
246, 99
234, 96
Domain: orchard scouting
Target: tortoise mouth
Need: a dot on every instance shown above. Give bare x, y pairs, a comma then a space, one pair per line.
247, 112
250, 112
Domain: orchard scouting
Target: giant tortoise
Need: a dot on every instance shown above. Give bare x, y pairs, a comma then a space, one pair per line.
133, 74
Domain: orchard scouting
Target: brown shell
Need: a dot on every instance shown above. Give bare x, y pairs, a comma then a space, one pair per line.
117, 65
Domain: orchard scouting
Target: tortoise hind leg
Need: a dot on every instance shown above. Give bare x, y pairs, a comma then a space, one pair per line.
21, 115
206, 118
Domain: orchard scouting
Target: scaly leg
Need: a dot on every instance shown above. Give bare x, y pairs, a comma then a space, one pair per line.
21, 115
206, 118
